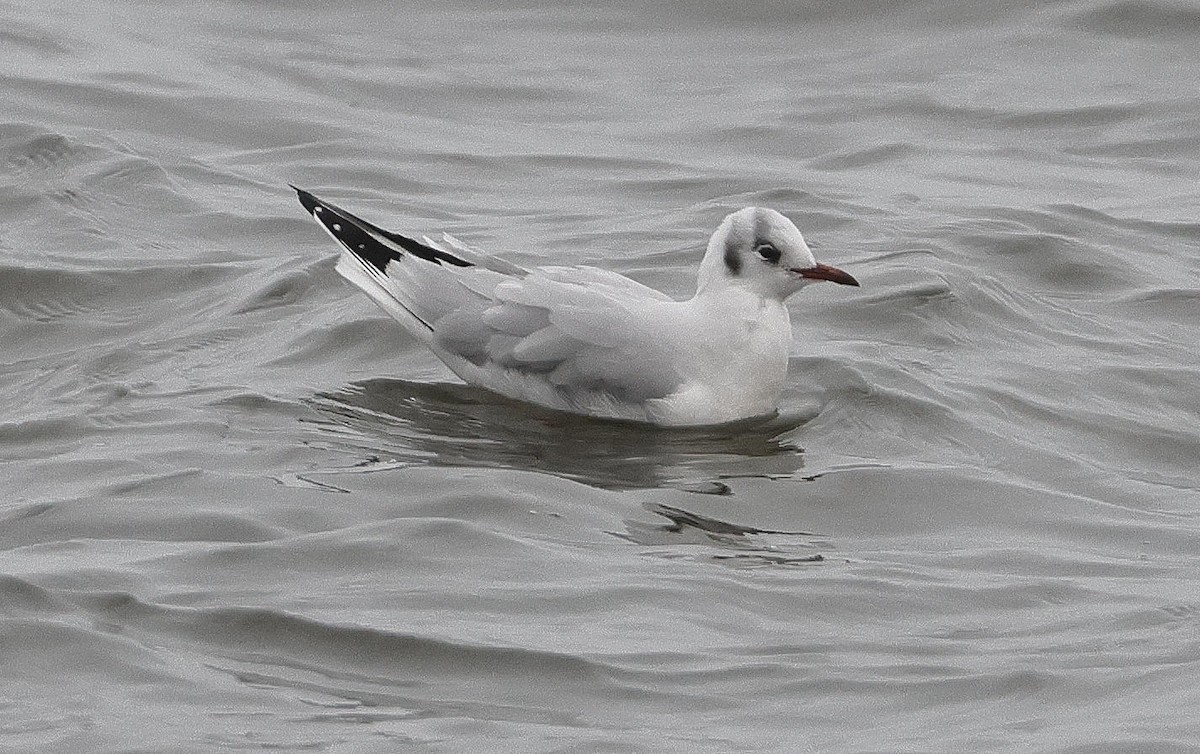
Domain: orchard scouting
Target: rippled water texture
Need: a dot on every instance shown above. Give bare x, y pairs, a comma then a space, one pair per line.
242, 510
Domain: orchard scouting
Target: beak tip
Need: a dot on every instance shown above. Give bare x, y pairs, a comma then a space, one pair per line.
829, 273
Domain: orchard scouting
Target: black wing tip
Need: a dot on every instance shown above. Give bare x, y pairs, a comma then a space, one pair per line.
428, 253
351, 232
355, 234
309, 201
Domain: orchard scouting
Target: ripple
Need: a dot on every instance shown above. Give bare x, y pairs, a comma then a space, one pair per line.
862, 158
368, 666
731, 543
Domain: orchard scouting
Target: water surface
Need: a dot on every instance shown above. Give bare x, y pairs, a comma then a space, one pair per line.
243, 510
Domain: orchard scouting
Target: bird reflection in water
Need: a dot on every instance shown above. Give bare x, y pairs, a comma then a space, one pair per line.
397, 423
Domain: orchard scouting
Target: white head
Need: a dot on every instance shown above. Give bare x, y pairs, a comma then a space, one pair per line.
761, 250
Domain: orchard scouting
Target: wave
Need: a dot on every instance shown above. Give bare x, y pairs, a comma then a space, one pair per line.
1142, 19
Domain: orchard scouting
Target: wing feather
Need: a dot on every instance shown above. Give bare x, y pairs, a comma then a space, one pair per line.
574, 337
516, 319
548, 345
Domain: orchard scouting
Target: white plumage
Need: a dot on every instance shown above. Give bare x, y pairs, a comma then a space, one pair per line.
588, 340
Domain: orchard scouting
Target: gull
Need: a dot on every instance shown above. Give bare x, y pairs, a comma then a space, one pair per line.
591, 341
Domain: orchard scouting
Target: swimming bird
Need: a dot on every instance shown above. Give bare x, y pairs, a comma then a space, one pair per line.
592, 341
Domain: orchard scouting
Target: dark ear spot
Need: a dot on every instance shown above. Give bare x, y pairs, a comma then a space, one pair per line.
732, 261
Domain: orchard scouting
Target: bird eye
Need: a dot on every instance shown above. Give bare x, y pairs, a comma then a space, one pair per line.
767, 252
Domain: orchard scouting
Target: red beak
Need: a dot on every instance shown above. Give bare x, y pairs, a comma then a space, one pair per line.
825, 272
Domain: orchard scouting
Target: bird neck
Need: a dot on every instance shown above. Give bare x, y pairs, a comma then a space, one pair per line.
720, 286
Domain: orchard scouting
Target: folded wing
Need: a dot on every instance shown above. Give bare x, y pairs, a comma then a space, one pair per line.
569, 337
579, 329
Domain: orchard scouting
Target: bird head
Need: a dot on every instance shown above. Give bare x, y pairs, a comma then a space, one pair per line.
761, 250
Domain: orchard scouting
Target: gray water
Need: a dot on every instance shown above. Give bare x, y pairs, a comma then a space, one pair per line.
241, 510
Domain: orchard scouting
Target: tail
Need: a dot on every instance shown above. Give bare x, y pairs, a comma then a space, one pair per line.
369, 251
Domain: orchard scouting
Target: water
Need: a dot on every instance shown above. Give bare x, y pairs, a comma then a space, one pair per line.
243, 511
